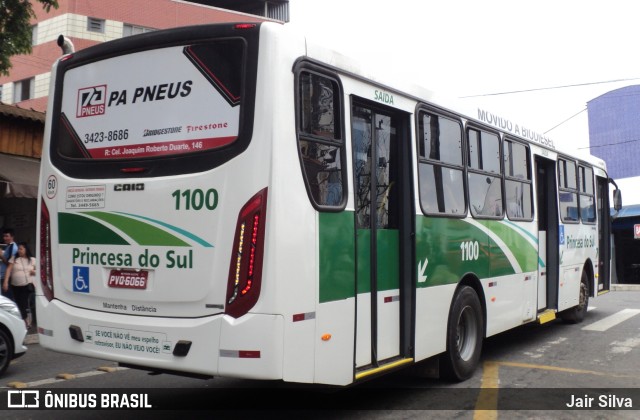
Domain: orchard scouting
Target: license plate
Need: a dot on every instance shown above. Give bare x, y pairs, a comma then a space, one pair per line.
128, 279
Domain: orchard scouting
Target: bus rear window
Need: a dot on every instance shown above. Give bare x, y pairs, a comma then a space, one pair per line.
152, 103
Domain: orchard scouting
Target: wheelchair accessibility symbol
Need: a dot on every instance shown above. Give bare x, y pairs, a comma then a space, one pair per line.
81, 279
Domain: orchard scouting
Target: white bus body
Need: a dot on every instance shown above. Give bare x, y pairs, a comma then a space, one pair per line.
207, 207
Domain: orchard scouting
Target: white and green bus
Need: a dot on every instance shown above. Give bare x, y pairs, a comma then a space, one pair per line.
233, 200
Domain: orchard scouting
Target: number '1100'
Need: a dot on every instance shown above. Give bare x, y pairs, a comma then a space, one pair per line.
470, 250
196, 199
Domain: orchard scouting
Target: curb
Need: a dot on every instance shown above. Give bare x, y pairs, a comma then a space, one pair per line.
625, 287
31, 339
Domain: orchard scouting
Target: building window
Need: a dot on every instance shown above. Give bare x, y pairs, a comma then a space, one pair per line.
34, 35
129, 30
95, 25
1, 93
23, 90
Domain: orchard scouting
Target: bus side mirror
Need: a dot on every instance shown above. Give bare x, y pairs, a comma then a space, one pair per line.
617, 199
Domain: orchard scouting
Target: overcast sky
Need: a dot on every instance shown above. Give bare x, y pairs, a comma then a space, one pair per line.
466, 47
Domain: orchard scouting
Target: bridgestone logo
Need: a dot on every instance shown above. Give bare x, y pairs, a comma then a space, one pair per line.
161, 131
91, 101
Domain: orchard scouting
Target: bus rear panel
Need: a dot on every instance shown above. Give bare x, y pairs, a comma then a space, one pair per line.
153, 207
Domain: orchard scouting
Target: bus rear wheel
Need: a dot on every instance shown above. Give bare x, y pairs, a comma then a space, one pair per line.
576, 314
465, 331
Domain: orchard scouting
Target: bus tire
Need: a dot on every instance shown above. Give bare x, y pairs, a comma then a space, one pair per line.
576, 314
465, 331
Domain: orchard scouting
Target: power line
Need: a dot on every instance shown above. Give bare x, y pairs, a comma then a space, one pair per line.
550, 88
610, 144
559, 124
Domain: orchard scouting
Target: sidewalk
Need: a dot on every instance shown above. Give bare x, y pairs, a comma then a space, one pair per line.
32, 335
625, 287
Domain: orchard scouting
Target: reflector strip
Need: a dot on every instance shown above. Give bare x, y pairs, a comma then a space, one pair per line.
304, 316
241, 354
132, 170
389, 299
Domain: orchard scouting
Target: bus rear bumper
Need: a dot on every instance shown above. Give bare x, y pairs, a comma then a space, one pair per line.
217, 345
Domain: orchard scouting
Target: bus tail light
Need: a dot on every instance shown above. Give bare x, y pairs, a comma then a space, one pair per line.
46, 270
245, 269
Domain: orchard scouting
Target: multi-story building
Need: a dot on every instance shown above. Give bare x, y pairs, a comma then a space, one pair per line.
89, 22
614, 134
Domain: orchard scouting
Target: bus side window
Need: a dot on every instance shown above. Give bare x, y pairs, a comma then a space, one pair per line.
485, 178
440, 168
517, 171
587, 195
321, 140
567, 190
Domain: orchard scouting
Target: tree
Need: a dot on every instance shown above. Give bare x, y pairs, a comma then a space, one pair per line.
15, 28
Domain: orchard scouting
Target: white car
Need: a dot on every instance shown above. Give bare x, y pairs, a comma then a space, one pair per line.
12, 333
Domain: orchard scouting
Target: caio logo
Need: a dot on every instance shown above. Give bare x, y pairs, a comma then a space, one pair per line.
91, 101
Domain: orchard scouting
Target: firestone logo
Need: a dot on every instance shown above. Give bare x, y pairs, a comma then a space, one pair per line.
91, 101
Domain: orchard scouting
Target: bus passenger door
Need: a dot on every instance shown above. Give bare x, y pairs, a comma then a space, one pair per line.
604, 235
383, 221
548, 233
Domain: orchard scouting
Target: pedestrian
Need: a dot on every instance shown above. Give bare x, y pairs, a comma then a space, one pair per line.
10, 250
21, 272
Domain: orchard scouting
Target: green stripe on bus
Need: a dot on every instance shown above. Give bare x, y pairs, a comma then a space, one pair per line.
78, 229
388, 261
522, 249
448, 248
141, 232
530, 235
337, 256
363, 261
176, 229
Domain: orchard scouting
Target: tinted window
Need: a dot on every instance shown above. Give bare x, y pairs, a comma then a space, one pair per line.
587, 195
320, 139
567, 191
484, 175
440, 168
440, 139
517, 184
127, 107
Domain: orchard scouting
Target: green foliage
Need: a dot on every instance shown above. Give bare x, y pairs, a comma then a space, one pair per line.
15, 28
